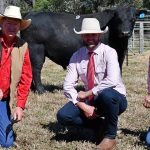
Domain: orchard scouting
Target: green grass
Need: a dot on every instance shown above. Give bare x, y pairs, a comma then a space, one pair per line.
39, 129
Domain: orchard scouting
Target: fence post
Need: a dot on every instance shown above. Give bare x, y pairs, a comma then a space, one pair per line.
133, 38
141, 37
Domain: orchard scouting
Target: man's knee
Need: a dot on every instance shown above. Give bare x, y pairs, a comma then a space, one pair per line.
107, 96
64, 118
60, 116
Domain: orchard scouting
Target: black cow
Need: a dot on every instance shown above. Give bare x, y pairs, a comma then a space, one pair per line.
51, 35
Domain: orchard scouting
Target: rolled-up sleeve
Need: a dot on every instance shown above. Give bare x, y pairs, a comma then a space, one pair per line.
70, 81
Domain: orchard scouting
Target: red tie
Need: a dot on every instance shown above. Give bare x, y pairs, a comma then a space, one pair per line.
90, 72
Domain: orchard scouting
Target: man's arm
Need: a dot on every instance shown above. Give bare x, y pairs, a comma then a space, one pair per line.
88, 110
82, 95
71, 80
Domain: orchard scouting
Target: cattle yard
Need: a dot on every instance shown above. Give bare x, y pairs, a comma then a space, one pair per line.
140, 40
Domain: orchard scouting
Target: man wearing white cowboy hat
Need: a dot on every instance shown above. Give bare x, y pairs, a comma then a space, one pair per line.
96, 65
15, 72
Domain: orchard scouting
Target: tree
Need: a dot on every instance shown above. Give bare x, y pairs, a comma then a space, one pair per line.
72, 6
146, 4
82, 6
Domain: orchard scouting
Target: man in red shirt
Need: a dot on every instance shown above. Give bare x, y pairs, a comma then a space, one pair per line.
15, 72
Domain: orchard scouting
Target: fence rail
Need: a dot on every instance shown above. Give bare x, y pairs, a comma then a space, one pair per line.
140, 39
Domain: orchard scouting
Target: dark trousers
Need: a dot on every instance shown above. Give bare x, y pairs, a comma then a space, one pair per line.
109, 103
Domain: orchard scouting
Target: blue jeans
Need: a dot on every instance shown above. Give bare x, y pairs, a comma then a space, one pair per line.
109, 103
6, 131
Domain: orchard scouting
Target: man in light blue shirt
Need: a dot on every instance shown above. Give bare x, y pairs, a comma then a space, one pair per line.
109, 93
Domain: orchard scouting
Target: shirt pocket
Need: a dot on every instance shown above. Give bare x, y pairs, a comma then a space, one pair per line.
100, 72
82, 70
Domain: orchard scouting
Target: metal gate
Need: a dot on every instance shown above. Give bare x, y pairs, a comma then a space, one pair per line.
140, 39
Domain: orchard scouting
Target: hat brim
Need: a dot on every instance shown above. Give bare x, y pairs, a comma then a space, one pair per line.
23, 25
91, 31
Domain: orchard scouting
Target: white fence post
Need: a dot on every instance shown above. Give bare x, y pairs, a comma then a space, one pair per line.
141, 33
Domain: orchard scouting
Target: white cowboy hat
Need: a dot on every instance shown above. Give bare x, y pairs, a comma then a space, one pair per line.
90, 25
14, 12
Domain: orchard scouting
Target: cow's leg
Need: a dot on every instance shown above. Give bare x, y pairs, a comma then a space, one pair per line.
37, 56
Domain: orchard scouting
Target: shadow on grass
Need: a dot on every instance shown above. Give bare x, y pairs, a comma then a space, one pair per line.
137, 133
69, 134
53, 88
45, 87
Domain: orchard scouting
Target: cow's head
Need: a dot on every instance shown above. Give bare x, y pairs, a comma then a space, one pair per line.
122, 23
120, 29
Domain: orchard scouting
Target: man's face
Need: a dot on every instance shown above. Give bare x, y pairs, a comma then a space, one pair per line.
10, 27
91, 40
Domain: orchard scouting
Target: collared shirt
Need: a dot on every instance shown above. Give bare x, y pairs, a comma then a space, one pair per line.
5, 75
107, 72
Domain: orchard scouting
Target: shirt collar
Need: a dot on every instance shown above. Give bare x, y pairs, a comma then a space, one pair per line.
96, 51
4, 42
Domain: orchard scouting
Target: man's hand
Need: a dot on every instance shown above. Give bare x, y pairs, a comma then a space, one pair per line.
90, 112
82, 95
1, 94
87, 110
18, 114
147, 101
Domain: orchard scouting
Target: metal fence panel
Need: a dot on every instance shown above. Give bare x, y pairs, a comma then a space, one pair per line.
140, 39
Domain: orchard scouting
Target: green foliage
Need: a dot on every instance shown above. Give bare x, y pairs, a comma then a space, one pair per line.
138, 3
76, 6
52, 5
82, 6
40, 5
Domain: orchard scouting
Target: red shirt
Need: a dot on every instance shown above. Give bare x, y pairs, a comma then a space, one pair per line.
5, 75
